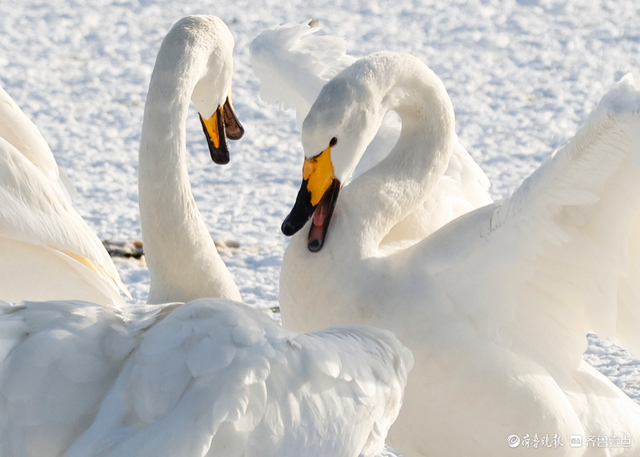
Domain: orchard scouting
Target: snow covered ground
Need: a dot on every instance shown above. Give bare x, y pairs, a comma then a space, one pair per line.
522, 74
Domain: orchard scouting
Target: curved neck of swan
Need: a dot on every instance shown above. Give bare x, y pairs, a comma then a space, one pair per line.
403, 180
182, 259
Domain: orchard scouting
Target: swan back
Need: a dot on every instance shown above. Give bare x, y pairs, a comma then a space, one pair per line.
242, 385
208, 377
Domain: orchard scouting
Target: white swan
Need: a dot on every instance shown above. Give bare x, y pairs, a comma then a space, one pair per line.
47, 251
495, 305
208, 377
293, 62
182, 259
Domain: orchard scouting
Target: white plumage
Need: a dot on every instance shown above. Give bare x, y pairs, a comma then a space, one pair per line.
211, 377
194, 63
294, 62
496, 304
47, 251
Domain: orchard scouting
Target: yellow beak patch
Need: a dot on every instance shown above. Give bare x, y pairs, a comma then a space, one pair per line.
212, 127
318, 172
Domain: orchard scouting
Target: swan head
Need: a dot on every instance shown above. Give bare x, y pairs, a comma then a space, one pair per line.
203, 45
335, 134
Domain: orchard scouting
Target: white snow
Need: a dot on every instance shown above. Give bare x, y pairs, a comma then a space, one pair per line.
522, 74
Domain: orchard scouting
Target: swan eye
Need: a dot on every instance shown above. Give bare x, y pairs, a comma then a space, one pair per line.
333, 142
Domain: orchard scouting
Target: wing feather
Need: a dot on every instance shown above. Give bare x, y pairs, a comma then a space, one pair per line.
560, 257
57, 367
35, 212
216, 375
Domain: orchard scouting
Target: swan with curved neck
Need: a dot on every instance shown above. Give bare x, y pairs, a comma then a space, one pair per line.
206, 377
495, 305
193, 63
420, 100
294, 62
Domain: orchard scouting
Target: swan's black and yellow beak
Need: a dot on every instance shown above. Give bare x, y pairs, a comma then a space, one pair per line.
317, 197
222, 125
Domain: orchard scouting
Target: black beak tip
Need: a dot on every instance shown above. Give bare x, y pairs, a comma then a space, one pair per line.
287, 227
314, 245
301, 212
235, 133
220, 157
220, 153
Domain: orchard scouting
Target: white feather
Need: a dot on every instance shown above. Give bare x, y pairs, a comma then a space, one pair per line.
47, 251
294, 62
65, 393
496, 304
204, 378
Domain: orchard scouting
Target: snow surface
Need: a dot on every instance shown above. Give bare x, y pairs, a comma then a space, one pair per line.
522, 74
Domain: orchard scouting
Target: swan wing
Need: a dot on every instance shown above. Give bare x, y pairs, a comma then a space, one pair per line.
216, 377
57, 362
294, 62
560, 257
46, 243
17, 129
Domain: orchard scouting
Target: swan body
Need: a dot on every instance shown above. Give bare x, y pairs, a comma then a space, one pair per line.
208, 377
47, 251
496, 304
294, 62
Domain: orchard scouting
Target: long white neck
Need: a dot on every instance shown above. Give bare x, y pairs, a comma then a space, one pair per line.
320, 289
386, 194
182, 259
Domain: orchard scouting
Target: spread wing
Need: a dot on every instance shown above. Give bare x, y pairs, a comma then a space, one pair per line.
17, 129
561, 257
